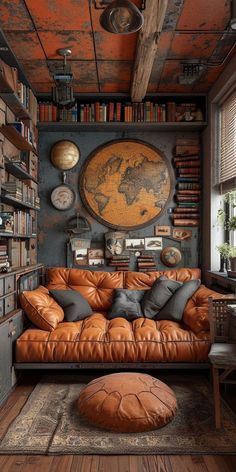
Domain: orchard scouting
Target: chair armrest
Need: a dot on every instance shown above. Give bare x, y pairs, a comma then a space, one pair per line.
196, 310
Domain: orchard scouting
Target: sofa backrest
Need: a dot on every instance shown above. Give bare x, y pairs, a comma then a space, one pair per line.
97, 287
144, 280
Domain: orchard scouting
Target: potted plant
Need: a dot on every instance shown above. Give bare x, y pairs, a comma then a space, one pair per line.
224, 250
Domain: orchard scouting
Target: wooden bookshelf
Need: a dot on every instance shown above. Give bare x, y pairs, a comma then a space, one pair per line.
9, 200
15, 105
15, 138
19, 236
121, 126
18, 172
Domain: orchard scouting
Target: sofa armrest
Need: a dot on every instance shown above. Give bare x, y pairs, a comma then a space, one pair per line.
196, 310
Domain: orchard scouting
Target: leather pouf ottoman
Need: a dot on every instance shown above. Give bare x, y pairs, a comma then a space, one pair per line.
127, 402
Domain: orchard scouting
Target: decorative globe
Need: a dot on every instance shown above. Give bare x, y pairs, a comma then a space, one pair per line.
64, 155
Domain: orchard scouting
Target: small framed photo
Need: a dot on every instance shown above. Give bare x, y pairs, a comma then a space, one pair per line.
153, 244
134, 244
182, 234
96, 253
162, 230
80, 257
77, 244
96, 262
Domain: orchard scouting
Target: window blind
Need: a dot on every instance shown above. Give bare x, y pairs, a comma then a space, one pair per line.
228, 144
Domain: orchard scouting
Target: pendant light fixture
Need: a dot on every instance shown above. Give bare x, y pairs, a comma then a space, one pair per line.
121, 17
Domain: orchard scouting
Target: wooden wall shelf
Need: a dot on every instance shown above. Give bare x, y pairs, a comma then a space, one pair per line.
18, 172
18, 236
15, 105
7, 198
15, 138
121, 126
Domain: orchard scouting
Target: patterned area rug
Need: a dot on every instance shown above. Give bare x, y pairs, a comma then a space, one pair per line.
49, 424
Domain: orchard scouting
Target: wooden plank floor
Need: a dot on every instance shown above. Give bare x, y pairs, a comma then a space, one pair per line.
70, 463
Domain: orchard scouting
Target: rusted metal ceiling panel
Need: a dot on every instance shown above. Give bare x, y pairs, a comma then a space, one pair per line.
25, 45
14, 16
36, 71
80, 43
117, 87
84, 71
118, 49
58, 15
193, 46
204, 15
109, 71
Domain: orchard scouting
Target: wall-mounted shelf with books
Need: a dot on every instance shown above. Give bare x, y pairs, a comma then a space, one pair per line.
18, 172
112, 112
120, 126
17, 236
16, 138
15, 105
9, 200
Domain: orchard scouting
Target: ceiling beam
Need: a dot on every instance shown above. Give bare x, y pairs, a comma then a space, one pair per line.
147, 46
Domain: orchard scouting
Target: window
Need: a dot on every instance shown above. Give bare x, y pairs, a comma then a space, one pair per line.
227, 170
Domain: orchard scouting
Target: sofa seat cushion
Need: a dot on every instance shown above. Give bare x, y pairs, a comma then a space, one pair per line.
97, 339
127, 402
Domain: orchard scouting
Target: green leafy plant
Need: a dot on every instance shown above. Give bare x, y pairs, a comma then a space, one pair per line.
224, 249
230, 223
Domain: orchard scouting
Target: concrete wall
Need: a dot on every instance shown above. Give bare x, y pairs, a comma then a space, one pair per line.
52, 237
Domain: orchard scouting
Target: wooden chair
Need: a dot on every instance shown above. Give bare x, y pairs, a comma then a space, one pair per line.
223, 349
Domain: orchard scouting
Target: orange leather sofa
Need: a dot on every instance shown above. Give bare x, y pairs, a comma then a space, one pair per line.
98, 341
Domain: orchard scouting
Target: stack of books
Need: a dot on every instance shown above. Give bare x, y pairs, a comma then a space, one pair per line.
146, 263
120, 262
3, 255
188, 189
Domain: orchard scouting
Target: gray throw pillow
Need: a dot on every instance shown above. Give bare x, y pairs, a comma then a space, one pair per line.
158, 295
126, 304
75, 306
174, 308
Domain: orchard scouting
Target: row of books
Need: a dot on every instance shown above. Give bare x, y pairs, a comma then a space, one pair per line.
22, 192
146, 263
147, 111
120, 262
3, 255
27, 99
24, 131
188, 190
18, 222
16, 253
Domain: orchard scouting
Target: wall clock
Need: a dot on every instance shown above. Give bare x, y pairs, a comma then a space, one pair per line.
63, 197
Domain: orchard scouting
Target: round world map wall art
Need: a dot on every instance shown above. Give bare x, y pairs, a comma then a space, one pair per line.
125, 184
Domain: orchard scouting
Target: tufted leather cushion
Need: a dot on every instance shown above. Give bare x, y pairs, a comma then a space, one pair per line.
144, 280
196, 311
97, 287
41, 308
127, 403
96, 339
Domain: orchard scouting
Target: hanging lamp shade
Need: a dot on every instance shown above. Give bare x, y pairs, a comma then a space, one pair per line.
121, 17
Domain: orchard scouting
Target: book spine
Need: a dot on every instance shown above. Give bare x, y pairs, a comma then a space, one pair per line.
186, 222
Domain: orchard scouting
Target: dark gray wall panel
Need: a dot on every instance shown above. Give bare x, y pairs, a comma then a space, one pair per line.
52, 238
